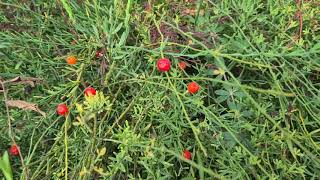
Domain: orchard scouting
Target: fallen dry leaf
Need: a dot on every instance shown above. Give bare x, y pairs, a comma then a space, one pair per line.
24, 80
192, 12
24, 105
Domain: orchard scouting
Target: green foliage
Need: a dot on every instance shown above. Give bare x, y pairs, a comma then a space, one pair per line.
256, 115
5, 166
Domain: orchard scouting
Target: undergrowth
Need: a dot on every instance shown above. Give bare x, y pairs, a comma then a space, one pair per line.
256, 116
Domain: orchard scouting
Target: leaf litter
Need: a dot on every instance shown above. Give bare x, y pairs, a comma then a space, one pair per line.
24, 105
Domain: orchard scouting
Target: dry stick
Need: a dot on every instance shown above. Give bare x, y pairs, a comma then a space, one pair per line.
299, 4
298, 16
10, 132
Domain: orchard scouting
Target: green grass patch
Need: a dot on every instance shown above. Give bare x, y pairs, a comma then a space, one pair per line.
256, 115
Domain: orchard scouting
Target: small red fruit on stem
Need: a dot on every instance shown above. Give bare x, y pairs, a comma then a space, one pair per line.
187, 154
71, 60
62, 109
163, 64
90, 91
182, 65
193, 87
14, 150
99, 54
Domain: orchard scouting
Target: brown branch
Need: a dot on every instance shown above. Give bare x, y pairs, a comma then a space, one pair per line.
300, 17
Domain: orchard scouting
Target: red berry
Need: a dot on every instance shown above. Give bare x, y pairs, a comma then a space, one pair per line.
163, 64
182, 65
90, 91
14, 150
187, 154
71, 60
99, 54
62, 109
193, 87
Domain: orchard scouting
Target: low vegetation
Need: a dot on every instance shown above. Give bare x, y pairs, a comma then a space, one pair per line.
168, 89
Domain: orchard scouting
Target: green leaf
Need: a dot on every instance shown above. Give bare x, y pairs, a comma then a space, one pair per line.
5, 166
123, 38
315, 48
222, 98
67, 7
222, 92
5, 45
228, 140
106, 25
117, 28
96, 32
239, 94
254, 160
102, 151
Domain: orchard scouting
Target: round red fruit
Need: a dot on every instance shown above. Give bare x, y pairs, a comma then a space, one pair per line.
90, 91
182, 65
99, 54
187, 154
62, 109
163, 64
14, 150
193, 87
71, 60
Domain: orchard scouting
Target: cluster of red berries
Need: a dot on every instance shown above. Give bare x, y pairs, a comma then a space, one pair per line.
164, 65
62, 109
